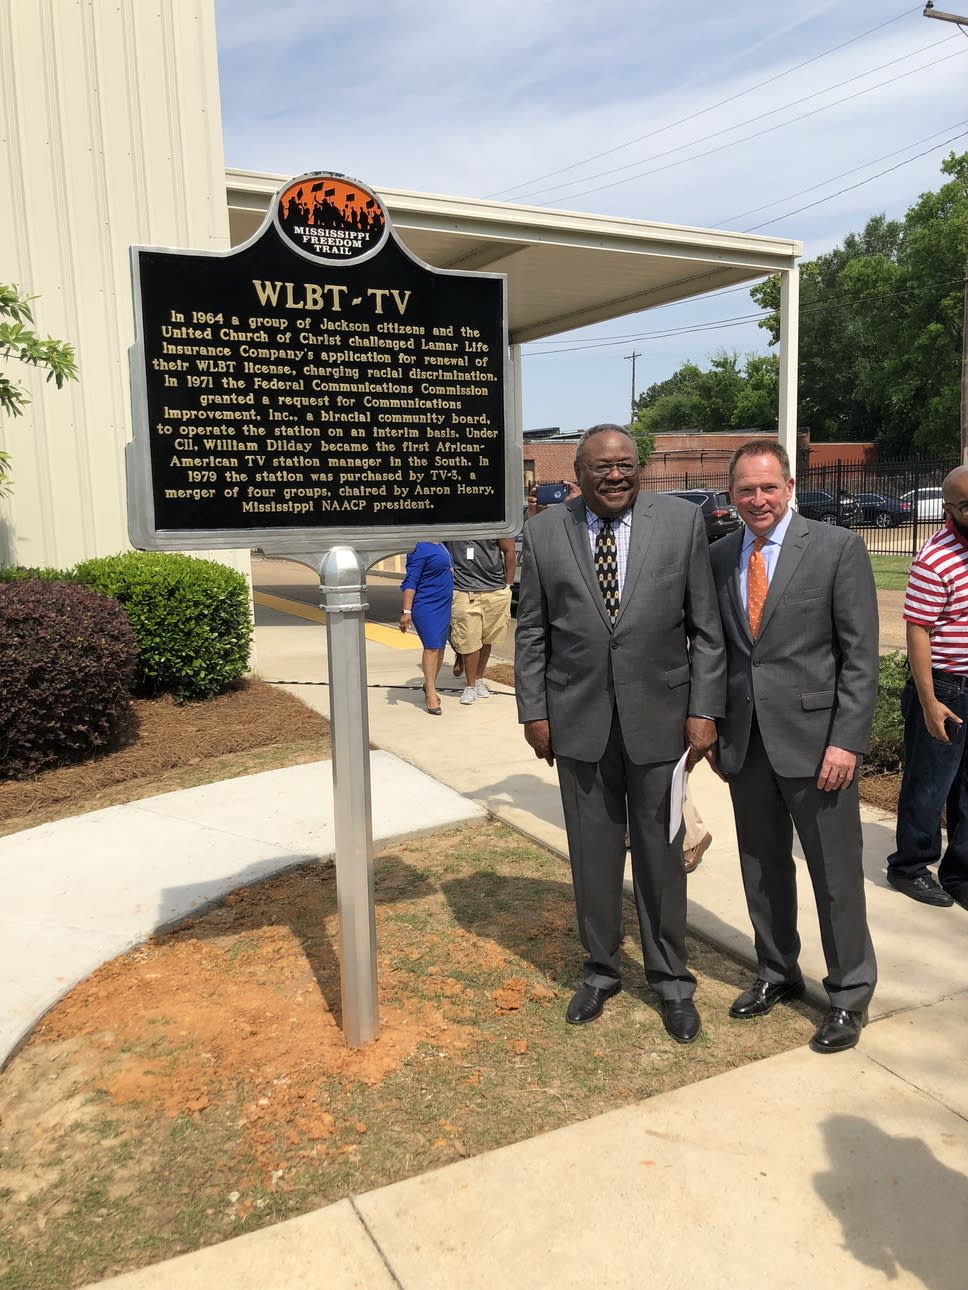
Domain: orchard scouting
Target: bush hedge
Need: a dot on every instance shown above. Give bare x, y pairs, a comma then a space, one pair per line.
887, 738
67, 663
191, 619
18, 573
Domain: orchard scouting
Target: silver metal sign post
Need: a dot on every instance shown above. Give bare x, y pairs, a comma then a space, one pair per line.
342, 585
342, 581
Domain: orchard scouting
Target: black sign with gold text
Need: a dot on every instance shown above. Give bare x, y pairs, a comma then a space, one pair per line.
320, 379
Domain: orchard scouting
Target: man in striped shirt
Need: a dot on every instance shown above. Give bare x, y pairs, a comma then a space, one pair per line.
935, 707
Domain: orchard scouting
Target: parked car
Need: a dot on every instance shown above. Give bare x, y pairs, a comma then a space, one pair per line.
884, 511
829, 508
926, 503
718, 512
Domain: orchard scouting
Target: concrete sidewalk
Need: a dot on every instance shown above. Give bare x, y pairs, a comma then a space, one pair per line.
797, 1171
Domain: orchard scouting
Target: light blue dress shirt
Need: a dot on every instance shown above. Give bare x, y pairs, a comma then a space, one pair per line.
770, 552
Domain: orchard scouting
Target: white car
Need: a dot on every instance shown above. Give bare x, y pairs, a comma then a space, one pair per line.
926, 503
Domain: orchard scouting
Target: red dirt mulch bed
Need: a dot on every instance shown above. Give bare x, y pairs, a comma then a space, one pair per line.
171, 737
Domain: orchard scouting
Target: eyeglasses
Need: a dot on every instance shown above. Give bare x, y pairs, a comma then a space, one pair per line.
960, 507
603, 468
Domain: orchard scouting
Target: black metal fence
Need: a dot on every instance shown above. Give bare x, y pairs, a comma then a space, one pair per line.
898, 503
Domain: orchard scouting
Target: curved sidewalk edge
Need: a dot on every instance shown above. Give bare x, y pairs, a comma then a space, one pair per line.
80, 891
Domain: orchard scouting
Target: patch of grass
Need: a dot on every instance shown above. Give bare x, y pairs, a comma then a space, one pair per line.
477, 958
890, 571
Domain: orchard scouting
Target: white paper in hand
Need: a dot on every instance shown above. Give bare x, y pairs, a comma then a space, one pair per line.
677, 796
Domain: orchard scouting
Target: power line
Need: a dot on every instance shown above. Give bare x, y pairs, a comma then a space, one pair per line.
728, 219
726, 291
758, 134
850, 188
703, 111
657, 156
739, 320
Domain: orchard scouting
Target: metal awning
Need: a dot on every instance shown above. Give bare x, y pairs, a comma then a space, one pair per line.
565, 269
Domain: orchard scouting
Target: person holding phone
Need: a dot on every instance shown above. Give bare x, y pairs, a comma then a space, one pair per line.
935, 707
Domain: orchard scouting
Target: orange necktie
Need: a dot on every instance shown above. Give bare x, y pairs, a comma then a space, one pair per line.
756, 586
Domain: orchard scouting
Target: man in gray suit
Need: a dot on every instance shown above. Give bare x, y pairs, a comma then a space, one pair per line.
799, 616
618, 668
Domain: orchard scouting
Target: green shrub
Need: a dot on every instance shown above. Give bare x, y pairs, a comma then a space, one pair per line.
191, 619
67, 664
887, 739
17, 573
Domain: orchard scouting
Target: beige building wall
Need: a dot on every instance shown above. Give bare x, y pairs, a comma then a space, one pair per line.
110, 134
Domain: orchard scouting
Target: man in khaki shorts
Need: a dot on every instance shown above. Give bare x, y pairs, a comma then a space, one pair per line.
481, 613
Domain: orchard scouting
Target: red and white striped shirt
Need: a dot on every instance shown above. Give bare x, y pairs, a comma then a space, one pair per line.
937, 598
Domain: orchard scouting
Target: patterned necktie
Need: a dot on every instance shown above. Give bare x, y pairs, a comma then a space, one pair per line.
606, 566
756, 586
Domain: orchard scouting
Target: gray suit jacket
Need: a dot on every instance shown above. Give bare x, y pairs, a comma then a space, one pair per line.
662, 659
812, 673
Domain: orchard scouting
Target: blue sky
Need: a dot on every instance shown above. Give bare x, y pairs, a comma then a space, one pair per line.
564, 104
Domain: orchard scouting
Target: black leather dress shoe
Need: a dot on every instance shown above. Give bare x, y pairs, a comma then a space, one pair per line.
588, 1002
923, 888
681, 1020
764, 995
839, 1030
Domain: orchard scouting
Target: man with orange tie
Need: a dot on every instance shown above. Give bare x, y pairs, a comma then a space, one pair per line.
799, 614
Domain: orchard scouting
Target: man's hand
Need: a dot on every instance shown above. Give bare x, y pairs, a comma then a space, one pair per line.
837, 769
919, 657
935, 716
538, 735
700, 737
712, 756
535, 509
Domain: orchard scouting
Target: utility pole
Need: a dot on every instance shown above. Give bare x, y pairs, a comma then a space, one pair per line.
633, 356
931, 12
962, 22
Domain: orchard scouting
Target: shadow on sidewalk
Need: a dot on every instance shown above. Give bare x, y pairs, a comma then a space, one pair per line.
900, 1208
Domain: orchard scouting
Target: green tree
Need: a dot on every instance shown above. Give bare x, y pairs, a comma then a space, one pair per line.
724, 396
881, 326
20, 342
644, 442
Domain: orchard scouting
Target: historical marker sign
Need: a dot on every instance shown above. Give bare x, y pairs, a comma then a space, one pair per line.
318, 385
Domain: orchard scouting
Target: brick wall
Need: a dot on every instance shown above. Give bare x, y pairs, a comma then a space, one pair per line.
677, 455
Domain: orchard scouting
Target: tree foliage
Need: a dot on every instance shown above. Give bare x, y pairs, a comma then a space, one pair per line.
881, 326
19, 341
644, 442
724, 396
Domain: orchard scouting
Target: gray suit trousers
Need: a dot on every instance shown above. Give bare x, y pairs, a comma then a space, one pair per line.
597, 798
767, 806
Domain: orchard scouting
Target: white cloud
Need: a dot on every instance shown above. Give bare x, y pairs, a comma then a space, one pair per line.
446, 96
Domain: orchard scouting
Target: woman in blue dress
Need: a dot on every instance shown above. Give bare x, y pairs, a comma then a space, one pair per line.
428, 590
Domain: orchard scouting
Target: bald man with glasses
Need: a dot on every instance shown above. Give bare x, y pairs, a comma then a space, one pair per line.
934, 704
619, 667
